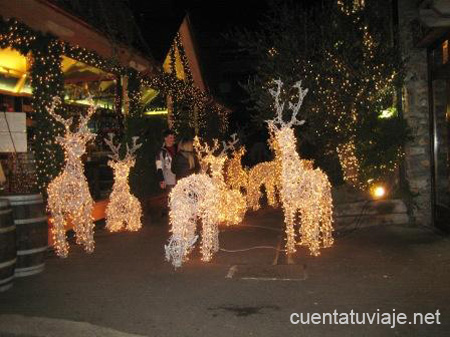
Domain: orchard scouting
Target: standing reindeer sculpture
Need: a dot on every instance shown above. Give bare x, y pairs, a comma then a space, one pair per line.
68, 194
123, 209
202, 197
236, 175
250, 181
304, 191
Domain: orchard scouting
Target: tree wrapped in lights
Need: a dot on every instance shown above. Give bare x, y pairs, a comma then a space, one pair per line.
303, 190
69, 198
204, 198
353, 68
123, 209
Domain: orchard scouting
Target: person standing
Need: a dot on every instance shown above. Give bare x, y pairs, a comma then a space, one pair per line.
185, 162
164, 158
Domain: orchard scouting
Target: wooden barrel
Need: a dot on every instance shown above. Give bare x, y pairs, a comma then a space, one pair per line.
31, 233
7, 245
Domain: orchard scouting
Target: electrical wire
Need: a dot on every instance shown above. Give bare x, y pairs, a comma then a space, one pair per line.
250, 248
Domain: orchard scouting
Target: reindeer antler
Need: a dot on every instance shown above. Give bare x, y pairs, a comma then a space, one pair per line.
229, 145
134, 147
115, 149
280, 107
51, 110
296, 107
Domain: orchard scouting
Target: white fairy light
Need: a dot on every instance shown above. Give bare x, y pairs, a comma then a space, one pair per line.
303, 190
124, 209
68, 194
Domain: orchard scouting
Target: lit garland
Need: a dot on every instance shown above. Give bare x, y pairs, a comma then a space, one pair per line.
68, 194
302, 190
123, 209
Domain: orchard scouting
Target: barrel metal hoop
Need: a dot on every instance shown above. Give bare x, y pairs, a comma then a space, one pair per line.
6, 280
28, 221
20, 272
8, 229
6, 211
8, 263
31, 251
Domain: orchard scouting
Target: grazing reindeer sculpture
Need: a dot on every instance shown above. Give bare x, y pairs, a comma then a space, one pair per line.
201, 197
123, 207
303, 190
68, 194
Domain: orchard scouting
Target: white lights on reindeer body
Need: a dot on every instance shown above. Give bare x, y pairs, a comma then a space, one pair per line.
200, 197
303, 190
194, 197
124, 209
68, 193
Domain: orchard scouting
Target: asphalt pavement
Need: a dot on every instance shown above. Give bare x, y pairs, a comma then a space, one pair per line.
126, 288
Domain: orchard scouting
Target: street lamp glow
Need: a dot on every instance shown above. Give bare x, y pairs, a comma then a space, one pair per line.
379, 192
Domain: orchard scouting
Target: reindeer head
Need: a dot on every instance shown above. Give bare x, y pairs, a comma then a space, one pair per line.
121, 167
74, 143
207, 157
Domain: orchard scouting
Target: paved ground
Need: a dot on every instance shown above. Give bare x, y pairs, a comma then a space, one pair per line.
126, 288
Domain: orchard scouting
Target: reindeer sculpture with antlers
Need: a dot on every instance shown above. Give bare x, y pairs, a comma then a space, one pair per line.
68, 194
202, 197
304, 191
251, 180
123, 209
232, 202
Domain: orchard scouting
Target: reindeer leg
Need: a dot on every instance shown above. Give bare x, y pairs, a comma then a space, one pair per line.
289, 217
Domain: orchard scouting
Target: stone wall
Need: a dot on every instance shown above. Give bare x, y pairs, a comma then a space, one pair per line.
416, 112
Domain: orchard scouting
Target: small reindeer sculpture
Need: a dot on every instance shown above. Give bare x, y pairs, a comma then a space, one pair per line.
123, 209
250, 181
202, 197
304, 191
232, 204
68, 194
236, 175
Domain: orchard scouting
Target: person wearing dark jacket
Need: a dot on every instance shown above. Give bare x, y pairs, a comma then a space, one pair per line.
185, 162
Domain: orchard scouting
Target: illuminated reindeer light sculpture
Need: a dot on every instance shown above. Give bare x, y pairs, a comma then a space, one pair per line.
68, 194
304, 191
201, 197
123, 209
251, 180
232, 206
